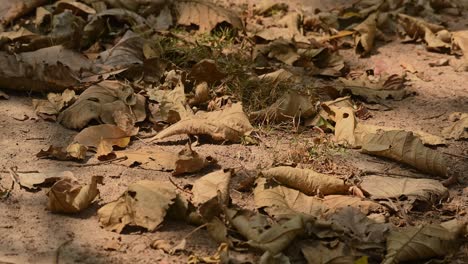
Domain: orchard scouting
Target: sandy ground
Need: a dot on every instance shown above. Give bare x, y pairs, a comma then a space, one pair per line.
30, 234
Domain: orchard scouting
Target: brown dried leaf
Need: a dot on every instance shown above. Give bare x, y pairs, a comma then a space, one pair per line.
208, 187
144, 204
424, 242
100, 102
365, 34
185, 161
201, 96
206, 70
205, 15
69, 196
12, 9
54, 103
72, 152
324, 252
459, 130
102, 138
404, 147
307, 181
229, 124
460, 46
426, 191
33, 181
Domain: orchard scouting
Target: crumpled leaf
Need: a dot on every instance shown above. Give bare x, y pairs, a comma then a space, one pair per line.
279, 49
286, 28
208, 187
365, 34
185, 161
201, 95
144, 204
33, 181
69, 196
459, 130
415, 29
229, 124
49, 69
326, 252
100, 102
102, 138
206, 70
54, 104
205, 15
12, 9
72, 152
425, 191
220, 256
423, 242
460, 47
375, 89
404, 147
172, 105
290, 106
3, 95
307, 181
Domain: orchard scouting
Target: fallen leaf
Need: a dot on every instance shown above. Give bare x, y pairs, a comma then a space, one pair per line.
12, 9
55, 103
307, 181
77, 7
102, 138
291, 105
220, 256
419, 243
439, 63
100, 102
334, 203
72, 152
201, 95
33, 181
460, 46
69, 196
205, 15
208, 187
281, 50
3, 95
323, 252
287, 28
144, 204
185, 161
365, 34
425, 192
229, 124
206, 70
458, 130
404, 147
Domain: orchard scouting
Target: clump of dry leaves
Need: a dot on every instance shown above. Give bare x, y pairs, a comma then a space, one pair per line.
120, 71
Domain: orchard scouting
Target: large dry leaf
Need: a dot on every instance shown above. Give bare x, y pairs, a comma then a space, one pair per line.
33, 181
48, 69
426, 191
419, 243
172, 104
326, 252
334, 203
365, 35
69, 196
102, 138
307, 181
403, 146
279, 49
100, 102
375, 89
459, 130
12, 9
460, 46
286, 28
229, 124
185, 161
144, 204
210, 186
292, 105
205, 15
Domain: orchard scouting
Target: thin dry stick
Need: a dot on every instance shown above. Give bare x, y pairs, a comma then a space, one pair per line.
456, 155
177, 186
97, 164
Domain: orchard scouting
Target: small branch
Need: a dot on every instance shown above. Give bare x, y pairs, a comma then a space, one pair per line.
177, 186
456, 155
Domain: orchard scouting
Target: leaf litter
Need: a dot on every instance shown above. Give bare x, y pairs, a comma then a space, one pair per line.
203, 77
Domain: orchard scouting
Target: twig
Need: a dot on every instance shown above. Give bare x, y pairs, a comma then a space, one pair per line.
38, 138
97, 164
456, 155
384, 173
193, 231
435, 116
177, 186
32, 171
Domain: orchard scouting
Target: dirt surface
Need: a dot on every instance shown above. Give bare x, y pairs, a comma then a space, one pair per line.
30, 234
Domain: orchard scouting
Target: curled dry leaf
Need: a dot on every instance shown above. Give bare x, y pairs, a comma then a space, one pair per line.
424, 242
72, 152
281, 50
100, 102
206, 71
144, 204
404, 147
54, 104
102, 138
365, 34
286, 28
69, 196
290, 106
185, 161
201, 96
208, 187
205, 15
33, 181
13, 9
307, 181
458, 130
426, 191
375, 89
229, 124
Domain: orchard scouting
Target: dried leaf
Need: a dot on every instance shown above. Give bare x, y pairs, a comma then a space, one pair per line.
100, 102
307, 181
72, 152
206, 70
201, 96
102, 138
3, 95
185, 161
324, 252
33, 181
365, 35
54, 103
375, 89
404, 147
229, 124
12, 9
286, 28
290, 106
418, 243
426, 191
205, 15
144, 204
459, 130
460, 46
208, 187
69, 196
